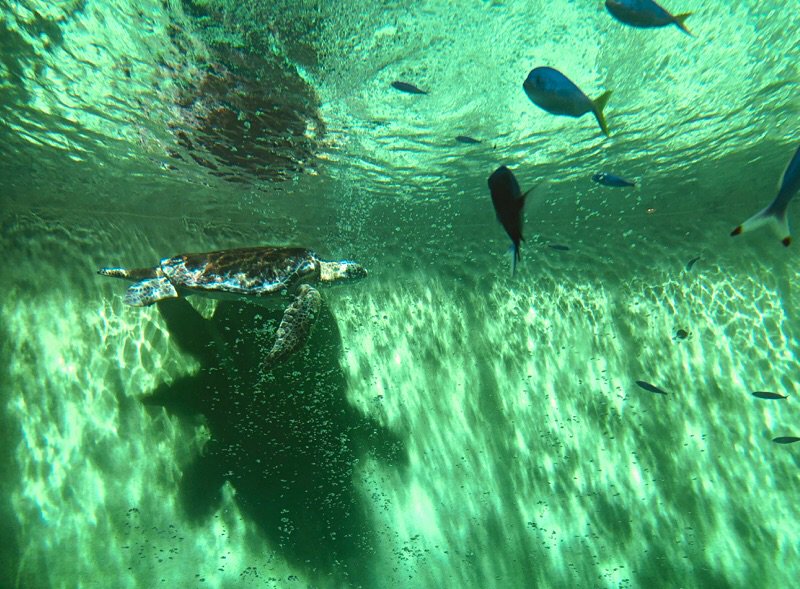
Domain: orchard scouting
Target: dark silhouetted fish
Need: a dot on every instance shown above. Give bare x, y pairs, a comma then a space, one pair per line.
645, 14
650, 388
508, 202
559, 247
766, 395
691, 263
408, 88
786, 440
611, 180
681, 334
775, 214
466, 139
552, 91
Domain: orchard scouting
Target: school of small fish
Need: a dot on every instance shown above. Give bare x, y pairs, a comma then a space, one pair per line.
555, 93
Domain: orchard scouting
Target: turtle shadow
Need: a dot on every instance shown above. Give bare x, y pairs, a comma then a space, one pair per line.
286, 439
10, 435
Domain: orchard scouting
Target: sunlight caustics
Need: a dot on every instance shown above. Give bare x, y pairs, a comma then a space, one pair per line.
447, 424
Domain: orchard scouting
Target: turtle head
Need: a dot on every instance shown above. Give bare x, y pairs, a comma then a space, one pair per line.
341, 271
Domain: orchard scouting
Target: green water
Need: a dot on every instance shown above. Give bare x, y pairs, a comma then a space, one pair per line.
447, 425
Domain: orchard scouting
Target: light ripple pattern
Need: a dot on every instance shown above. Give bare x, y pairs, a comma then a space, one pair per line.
535, 456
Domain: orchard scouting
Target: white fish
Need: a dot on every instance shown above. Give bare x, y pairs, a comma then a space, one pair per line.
775, 214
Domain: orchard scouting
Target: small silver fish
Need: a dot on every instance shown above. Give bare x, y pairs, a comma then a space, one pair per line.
786, 440
766, 395
650, 388
553, 92
607, 179
691, 263
681, 334
645, 14
408, 88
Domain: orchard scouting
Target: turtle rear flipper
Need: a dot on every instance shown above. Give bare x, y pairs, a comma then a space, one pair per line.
295, 327
147, 292
129, 273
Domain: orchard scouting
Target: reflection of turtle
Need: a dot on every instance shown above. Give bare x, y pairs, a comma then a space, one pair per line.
248, 273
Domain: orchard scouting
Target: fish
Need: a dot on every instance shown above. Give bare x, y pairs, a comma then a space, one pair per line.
466, 139
766, 395
559, 247
508, 202
786, 440
775, 214
553, 92
646, 14
611, 180
681, 334
691, 263
408, 88
650, 387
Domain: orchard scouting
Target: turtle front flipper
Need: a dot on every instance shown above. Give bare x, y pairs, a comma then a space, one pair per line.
295, 327
147, 292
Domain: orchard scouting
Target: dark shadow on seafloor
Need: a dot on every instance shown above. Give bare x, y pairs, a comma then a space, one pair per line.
10, 436
287, 440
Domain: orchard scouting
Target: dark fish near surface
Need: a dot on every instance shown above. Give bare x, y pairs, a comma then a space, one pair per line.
650, 388
691, 263
775, 214
645, 14
406, 87
508, 202
766, 395
681, 334
786, 440
552, 91
559, 247
466, 139
611, 180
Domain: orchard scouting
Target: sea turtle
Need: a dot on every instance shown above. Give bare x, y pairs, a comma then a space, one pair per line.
254, 274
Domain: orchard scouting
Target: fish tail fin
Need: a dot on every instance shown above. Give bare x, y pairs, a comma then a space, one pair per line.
599, 104
680, 19
775, 218
515, 257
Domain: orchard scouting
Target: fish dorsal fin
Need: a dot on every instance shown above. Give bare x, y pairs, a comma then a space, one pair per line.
680, 19
525, 195
527, 192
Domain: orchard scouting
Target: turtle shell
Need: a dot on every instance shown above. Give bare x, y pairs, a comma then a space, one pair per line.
255, 271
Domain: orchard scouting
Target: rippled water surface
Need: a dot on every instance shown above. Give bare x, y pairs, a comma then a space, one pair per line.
447, 424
